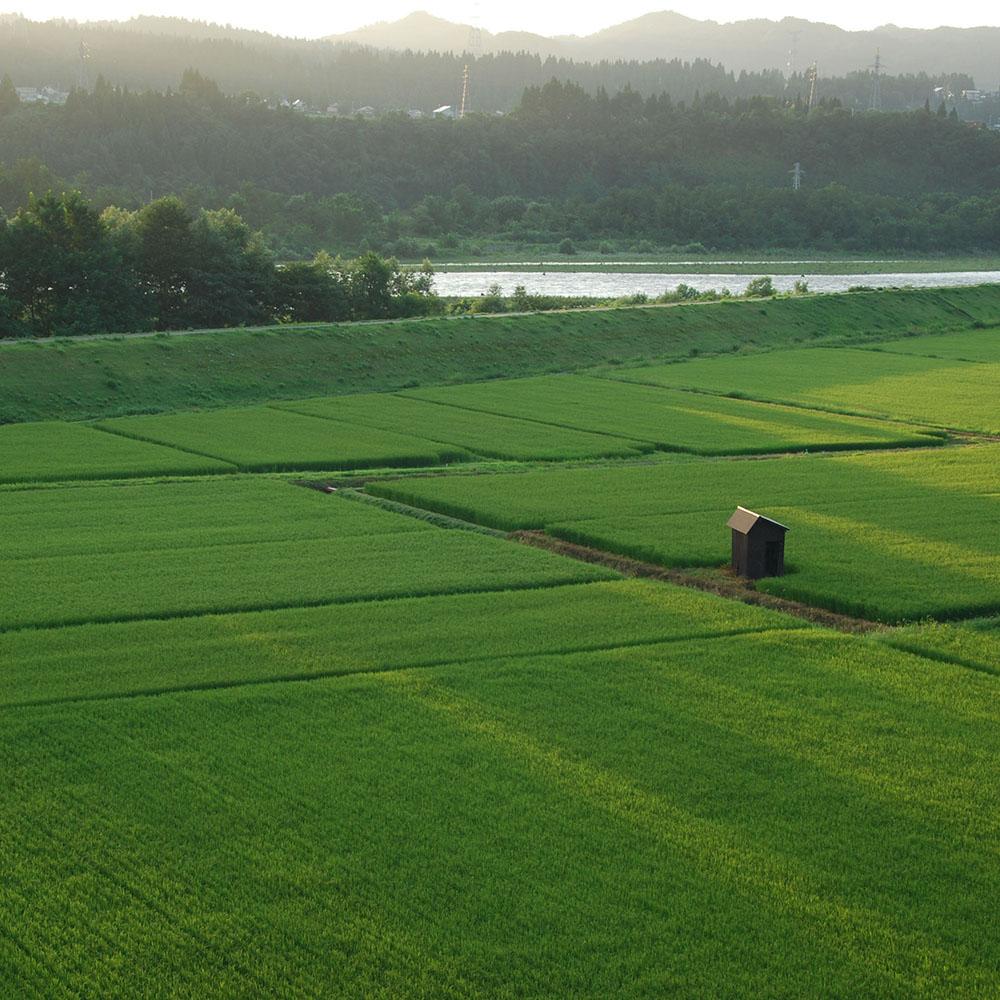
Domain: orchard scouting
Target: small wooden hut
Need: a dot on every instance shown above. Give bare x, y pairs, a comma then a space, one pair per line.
758, 545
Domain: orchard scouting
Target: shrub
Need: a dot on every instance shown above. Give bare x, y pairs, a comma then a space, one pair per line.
760, 288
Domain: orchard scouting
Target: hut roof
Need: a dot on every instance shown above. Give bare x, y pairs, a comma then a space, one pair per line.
743, 520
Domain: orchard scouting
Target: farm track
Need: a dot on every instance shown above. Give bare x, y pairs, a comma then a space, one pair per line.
721, 584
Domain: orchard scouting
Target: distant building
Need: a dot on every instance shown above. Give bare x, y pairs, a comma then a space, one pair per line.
445, 111
414, 113
42, 95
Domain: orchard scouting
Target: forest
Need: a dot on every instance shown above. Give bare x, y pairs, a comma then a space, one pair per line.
621, 170
151, 54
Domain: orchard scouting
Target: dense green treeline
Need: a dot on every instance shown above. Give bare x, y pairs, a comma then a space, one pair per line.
564, 165
67, 270
153, 53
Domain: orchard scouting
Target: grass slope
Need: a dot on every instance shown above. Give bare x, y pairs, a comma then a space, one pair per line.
109, 377
52, 450
679, 421
701, 819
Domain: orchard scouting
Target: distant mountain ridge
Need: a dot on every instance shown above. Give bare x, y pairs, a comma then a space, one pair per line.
749, 45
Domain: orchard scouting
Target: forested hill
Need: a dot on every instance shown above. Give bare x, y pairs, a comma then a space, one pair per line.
560, 142
753, 44
565, 164
152, 53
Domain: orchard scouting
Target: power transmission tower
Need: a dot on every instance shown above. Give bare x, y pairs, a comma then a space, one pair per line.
876, 103
793, 52
813, 78
464, 104
83, 74
797, 173
474, 49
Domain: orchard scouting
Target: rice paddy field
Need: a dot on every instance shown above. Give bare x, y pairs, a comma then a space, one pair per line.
949, 393
672, 421
490, 435
56, 450
263, 439
360, 739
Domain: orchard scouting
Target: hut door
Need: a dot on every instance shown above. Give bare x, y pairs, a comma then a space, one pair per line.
772, 559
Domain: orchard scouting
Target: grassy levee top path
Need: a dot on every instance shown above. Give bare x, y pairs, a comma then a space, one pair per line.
113, 376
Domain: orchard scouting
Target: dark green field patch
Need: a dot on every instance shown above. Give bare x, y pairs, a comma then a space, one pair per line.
264, 439
53, 451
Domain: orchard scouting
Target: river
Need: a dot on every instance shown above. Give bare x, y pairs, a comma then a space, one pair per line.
611, 285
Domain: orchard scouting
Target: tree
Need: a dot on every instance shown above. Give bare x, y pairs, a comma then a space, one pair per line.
372, 280
229, 274
311, 291
164, 254
9, 99
63, 273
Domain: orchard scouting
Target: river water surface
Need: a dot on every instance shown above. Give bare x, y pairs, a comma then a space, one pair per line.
611, 285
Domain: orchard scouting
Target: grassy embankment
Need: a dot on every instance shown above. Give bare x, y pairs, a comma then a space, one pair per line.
112, 376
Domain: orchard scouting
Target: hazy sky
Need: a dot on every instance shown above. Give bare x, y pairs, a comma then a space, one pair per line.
310, 19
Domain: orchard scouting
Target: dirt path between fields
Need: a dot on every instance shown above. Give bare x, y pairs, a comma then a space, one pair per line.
720, 582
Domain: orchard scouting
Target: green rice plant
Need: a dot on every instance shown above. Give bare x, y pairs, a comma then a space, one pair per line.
950, 394
54, 450
109, 660
676, 421
263, 439
167, 583
962, 345
489, 435
803, 813
132, 517
974, 644
536, 499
